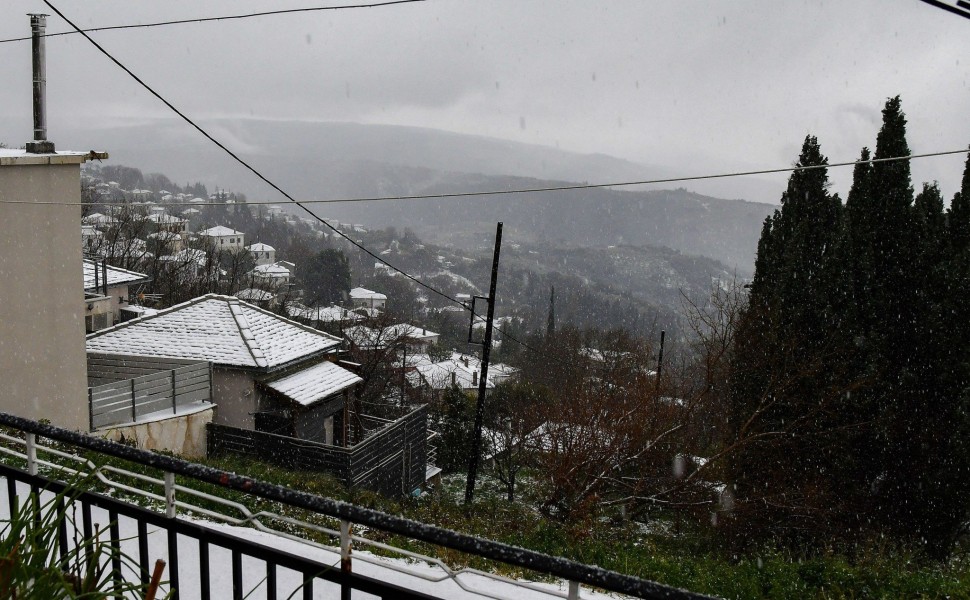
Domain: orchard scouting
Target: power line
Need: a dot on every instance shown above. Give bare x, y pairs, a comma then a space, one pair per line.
222, 18
578, 186
961, 7
243, 162
263, 177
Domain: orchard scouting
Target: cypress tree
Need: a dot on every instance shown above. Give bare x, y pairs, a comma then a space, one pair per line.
781, 387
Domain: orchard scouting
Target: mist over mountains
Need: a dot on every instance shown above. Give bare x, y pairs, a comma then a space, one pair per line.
325, 160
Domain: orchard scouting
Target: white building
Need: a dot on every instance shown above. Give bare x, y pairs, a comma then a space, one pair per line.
364, 298
225, 238
263, 254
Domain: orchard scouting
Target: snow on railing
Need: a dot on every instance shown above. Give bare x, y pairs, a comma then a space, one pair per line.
342, 518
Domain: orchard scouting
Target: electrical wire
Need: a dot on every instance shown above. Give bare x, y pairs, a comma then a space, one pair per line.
268, 181
245, 164
547, 189
222, 18
962, 8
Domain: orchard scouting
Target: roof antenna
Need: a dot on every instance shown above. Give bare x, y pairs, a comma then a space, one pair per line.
40, 145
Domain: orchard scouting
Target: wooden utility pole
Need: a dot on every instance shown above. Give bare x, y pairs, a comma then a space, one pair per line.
476, 449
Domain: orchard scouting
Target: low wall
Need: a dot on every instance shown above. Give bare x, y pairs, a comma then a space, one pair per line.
183, 434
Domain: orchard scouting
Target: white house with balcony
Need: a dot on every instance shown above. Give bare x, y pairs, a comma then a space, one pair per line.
225, 238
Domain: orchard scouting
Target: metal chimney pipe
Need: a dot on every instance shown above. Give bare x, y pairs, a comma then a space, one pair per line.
38, 27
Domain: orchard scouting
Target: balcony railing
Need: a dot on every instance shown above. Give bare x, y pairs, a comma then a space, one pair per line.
192, 574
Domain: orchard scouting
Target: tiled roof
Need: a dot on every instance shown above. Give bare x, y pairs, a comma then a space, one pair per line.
261, 247
116, 275
220, 329
313, 384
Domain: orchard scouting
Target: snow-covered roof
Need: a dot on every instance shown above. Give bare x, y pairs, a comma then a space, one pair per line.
360, 293
376, 339
466, 370
261, 247
164, 235
220, 329
162, 218
255, 295
313, 384
115, 275
274, 270
322, 313
219, 231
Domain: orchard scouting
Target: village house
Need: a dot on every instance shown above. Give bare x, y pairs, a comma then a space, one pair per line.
461, 370
263, 254
107, 294
400, 336
365, 298
272, 276
224, 238
268, 373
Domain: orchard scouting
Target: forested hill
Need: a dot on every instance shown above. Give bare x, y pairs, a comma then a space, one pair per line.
688, 222
313, 160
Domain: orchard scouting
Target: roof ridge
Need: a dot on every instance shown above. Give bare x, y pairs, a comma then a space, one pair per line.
286, 320
245, 332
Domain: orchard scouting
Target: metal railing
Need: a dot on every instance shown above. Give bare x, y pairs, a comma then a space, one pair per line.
340, 520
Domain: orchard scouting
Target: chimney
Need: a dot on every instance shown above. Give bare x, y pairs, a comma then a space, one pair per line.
40, 145
464, 359
453, 380
474, 377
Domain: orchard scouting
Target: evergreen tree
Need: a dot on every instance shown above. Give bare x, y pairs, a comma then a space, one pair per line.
456, 428
958, 216
551, 323
782, 393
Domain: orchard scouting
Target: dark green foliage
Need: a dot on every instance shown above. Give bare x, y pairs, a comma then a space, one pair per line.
326, 277
851, 383
784, 401
455, 426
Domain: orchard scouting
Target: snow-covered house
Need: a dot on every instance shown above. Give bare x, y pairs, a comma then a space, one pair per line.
273, 276
107, 293
334, 314
263, 254
398, 336
224, 238
365, 298
267, 371
161, 221
256, 296
461, 370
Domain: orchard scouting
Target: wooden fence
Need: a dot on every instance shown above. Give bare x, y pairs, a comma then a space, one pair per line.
129, 387
392, 461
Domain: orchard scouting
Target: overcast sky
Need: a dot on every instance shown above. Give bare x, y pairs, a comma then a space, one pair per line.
694, 87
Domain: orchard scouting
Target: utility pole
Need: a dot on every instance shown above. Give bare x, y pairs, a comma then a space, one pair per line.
660, 359
483, 376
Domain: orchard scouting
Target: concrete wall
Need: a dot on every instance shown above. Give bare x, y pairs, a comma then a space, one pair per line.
183, 434
234, 394
42, 360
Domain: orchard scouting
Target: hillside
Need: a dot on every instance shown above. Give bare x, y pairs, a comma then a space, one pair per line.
314, 160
